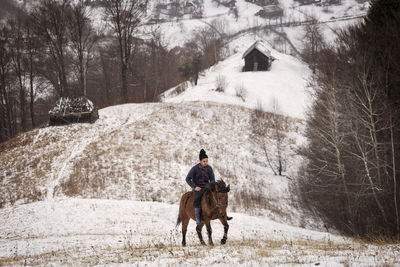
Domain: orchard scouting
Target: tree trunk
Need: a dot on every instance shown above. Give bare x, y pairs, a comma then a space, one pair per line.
8, 112
81, 80
3, 117
2, 122
337, 145
13, 116
64, 83
394, 179
22, 102
106, 78
367, 173
17, 60
124, 68
32, 97
124, 87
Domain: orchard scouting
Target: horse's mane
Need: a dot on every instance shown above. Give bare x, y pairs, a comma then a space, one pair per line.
222, 188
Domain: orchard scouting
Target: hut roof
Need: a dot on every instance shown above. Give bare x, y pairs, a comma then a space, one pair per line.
68, 105
260, 46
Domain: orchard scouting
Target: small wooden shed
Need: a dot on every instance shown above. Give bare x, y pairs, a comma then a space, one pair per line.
257, 57
73, 109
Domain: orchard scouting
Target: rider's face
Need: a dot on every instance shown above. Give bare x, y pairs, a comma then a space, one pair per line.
204, 162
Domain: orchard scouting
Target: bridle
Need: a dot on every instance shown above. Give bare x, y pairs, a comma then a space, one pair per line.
218, 205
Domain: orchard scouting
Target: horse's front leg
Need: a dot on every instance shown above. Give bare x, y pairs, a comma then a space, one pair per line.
226, 228
209, 231
198, 230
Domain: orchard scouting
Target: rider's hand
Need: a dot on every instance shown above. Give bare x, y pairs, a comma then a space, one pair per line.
197, 188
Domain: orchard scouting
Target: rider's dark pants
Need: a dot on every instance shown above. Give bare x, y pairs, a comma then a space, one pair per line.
197, 197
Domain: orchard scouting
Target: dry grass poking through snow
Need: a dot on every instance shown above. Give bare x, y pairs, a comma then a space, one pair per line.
248, 252
78, 232
27, 162
144, 152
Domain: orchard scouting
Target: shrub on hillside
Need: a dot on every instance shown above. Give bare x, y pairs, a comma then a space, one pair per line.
241, 92
221, 83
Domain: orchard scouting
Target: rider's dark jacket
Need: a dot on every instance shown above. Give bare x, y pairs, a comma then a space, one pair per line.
200, 176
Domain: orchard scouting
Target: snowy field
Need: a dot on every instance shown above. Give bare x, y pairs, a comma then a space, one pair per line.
119, 232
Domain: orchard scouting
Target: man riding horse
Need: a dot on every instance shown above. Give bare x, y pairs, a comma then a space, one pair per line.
198, 177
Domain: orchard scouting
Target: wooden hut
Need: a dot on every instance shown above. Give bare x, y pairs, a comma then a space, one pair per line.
257, 57
270, 12
189, 8
73, 109
264, 2
307, 2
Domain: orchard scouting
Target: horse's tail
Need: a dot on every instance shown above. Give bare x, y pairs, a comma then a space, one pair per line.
178, 221
182, 205
181, 210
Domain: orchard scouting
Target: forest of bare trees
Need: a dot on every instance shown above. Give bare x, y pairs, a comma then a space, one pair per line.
351, 177
54, 50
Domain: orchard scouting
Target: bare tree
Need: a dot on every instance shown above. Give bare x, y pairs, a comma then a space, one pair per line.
18, 58
270, 132
32, 49
156, 70
51, 19
329, 126
82, 38
106, 73
209, 43
367, 116
6, 129
313, 41
191, 65
124, 17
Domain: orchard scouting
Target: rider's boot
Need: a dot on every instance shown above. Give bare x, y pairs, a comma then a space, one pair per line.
198, 215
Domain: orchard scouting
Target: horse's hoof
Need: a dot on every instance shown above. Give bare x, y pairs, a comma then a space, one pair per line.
183, 244
212, 244
204, 244
223, 241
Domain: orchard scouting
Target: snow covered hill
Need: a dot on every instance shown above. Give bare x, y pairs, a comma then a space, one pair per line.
285, 84
144, 152
177, 31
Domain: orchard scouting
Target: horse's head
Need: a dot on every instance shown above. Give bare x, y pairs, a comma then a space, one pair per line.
219, 191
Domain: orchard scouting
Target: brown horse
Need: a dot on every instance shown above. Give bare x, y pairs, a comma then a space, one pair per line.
213, 206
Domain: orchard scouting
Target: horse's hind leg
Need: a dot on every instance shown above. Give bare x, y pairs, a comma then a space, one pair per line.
209, 231
185, 223
226, 228
198, 230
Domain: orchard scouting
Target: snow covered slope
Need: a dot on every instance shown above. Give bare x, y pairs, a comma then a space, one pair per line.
144, 152
82, 232
285, 83
177, 31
